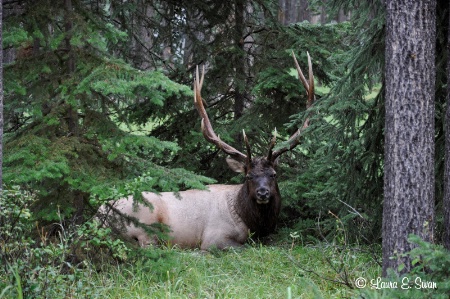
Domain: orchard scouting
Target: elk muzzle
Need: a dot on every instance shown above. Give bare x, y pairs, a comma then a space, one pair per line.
262, 195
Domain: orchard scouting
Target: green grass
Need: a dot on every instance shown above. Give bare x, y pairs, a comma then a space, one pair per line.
253, 272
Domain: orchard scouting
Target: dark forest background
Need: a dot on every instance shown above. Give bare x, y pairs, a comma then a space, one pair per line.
98, 104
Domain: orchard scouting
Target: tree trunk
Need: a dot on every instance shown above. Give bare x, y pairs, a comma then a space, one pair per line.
240, 77
446, 200
303, 11
72, 113
1, 97
408, 206
282, 11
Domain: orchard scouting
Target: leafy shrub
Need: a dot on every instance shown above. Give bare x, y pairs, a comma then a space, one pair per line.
41, 265
430, 277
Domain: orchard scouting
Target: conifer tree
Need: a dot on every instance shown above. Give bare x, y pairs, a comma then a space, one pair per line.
345, 144
353, 154
69, 95
409, 133
1, 97
446, 196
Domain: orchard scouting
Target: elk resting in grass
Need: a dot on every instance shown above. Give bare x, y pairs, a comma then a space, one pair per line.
223, 215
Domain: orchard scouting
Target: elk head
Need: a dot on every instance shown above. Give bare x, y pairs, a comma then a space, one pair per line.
260, 172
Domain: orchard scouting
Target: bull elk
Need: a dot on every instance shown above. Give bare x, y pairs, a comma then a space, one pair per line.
223, 215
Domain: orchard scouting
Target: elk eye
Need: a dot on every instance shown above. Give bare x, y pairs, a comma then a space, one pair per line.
273, 175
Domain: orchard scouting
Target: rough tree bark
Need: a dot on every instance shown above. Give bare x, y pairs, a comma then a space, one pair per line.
408, 206
446, 200
1, 97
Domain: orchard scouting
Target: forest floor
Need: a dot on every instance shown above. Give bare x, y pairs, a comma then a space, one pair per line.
256, 271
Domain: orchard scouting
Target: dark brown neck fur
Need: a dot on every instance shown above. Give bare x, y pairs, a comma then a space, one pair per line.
261, 219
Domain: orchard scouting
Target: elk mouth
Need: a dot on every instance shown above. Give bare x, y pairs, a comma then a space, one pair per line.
262, 200
262, 195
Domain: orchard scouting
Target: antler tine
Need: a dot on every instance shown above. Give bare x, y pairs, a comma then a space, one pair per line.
301, 77
198, 83
293, 141
203, 76
311, 95
206, 126
272, 144
247, 146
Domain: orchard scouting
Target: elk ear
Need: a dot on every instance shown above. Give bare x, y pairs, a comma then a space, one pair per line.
235, 165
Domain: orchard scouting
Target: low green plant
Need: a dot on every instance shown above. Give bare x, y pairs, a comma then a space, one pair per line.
85, 262
91, 238
430, 277
37, 264
254, 271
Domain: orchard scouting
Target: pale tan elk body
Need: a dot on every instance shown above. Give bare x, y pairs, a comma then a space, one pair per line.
197, 218
223, 215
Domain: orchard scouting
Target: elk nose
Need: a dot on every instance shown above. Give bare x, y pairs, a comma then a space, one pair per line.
262, 192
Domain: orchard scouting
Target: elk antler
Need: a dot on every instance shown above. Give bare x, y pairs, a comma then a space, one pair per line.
271, 145
293, 141
207, 129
